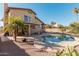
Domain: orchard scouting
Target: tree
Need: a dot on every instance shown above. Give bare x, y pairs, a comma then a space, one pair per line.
13, 24
75, 27
76, 11
47, 26
52, 23
62, 28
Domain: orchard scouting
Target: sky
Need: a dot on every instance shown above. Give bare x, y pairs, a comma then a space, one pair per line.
1, 13
60, 13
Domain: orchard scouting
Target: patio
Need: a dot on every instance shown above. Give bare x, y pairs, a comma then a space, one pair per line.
8, 47
12, 48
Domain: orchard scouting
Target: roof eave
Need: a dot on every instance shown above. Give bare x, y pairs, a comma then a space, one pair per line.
22, 9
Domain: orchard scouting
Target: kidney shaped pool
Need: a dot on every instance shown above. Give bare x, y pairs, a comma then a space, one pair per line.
52, 38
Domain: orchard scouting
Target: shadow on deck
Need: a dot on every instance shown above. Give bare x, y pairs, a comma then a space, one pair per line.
9, 48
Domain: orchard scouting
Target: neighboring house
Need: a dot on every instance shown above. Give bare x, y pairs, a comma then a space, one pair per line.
53, 28
55, 25
35, 25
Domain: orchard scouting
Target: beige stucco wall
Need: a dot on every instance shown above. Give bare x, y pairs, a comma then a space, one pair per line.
21, 13
52, 30
37, 22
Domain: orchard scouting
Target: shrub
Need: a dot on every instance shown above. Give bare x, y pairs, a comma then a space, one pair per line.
69, 51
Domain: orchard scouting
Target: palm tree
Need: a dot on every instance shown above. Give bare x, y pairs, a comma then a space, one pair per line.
13, 24
76, 11
62, 28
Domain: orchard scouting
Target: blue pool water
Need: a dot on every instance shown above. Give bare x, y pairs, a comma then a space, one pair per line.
55, 38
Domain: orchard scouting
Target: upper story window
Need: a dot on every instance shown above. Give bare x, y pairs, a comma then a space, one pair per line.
26, 19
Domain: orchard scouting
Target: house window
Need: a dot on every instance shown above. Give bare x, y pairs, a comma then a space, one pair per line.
26, 19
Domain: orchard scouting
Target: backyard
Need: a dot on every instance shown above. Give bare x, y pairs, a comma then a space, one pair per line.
24, 34
9, 47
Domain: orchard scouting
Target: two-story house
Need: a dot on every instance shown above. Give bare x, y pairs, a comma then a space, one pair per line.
34, 24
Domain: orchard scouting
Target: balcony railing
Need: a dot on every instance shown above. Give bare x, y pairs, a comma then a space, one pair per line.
36, 30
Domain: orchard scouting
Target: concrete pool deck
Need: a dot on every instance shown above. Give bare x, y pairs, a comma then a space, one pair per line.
11, 48
37, 37
70, 43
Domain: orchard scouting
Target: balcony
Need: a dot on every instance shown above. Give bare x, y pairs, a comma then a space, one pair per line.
36, 31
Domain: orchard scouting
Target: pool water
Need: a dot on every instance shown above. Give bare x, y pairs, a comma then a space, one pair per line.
56, 38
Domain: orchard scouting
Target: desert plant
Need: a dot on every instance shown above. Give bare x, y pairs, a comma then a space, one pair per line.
59, 53
69, 51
